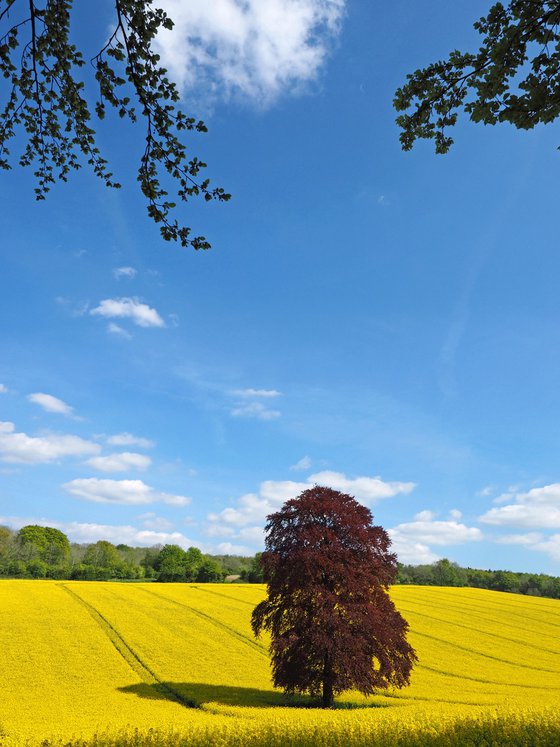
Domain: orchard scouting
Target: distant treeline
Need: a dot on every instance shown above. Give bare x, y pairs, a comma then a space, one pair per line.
445, 573
44, 552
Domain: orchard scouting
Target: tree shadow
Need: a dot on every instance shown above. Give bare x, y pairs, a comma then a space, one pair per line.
196, 694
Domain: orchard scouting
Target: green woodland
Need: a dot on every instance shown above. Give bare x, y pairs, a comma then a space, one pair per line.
45, 552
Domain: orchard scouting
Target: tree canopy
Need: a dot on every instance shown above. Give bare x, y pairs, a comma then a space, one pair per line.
102, 554
44, 99
513, 77
46, 544
333, 625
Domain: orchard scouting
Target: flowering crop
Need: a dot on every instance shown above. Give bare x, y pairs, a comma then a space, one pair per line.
176, 664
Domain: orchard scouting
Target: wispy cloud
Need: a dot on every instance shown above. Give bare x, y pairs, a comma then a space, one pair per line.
303, 464
129, 492
118, 331
3, 389
128, 308
156, 523
535, 541
128, 439
531, 538
253, 49
51, 404
122, 462
250, 405
19, 448
255, 410
124, 272
255, 393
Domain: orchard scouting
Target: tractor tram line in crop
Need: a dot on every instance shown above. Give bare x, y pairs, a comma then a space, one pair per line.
482, 681
479, 631
229, 597
549, 609
119, 663
128, 654
208, 618
450, 614
475, 652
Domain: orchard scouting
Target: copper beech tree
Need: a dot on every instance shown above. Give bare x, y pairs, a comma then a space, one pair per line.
333, 625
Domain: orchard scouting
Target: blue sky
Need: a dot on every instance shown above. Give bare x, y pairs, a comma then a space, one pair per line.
386, 323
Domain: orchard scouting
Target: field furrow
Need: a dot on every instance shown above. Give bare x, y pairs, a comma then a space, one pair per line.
86, 657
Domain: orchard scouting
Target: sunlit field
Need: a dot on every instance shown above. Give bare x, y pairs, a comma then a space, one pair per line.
179, 663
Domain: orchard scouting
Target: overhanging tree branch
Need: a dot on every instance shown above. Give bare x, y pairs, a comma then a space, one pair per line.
514, 77
45, 102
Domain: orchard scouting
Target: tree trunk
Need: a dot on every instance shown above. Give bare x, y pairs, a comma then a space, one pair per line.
328, 694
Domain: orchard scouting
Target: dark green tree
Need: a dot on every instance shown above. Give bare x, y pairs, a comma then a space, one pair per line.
254, 574
513, 77
446, 573
171, 564
149, 560
194, 561
102, 554
7, 538
209, 571
37, 569
44, 99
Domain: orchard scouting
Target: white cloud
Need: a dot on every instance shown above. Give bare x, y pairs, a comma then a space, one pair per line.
253, 535
523, 516
455, 513
551, 546
156, 523
412, 553
219, 530
83, 532
252, 393
129, 492
425, 516
255, 410
3, 389
485, 492
121, 462
411, 540
128, 308
534, 541
229, 548
118, 331
246, 519
19, 448
429, 532
124, 272
50, 403
536, 508
127, 439
531, 538
249, 48
303, 464
368, 490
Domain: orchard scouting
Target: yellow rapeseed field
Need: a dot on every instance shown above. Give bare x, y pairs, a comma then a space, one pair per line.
175, 664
